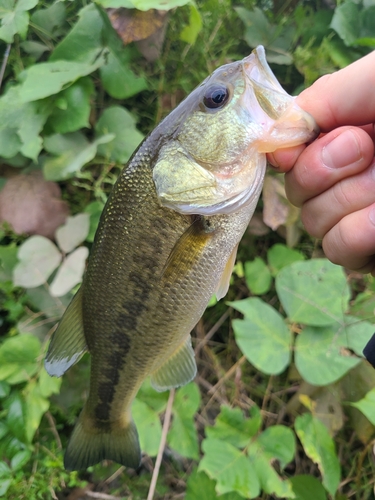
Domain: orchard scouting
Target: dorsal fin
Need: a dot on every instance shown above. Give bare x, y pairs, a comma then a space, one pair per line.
68, 343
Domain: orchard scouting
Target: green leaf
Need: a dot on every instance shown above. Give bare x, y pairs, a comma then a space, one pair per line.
8, 260
4, 486
20, 459
118, 79
83, 43
70, 272
322, 355
346, 22
199, 485
183, 436
262, 335
4, 470
118, 121
50, 19
20, 125
18, 358
55, 76
15, 417
94, 209
14, 18
76, 112
144, 4
155, 400
73, 232
367, 406
191, 31
280, 256
4, 391
74, 152
232, 427
148, 425
35, 407
48, 385
313, 292
278, 442
257, 276
307, 488
38, 258
319, 446
230, 468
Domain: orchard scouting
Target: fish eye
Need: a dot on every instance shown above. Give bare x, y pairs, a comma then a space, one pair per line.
216, 96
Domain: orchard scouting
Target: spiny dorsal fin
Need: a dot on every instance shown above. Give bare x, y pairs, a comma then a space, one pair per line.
68, 343
223, 286
178, 370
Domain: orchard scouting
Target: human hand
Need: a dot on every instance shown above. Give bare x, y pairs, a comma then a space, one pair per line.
333, 179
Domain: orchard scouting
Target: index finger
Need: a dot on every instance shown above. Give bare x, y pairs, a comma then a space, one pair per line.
346, 97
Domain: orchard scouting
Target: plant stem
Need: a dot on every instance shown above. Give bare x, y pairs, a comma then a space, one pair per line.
167, 419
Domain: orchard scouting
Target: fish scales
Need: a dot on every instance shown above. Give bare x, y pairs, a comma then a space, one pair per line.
165, 244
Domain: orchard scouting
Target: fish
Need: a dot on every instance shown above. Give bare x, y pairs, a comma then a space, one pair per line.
166, 243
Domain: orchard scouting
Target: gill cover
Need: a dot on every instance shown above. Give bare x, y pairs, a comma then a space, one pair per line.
215, 161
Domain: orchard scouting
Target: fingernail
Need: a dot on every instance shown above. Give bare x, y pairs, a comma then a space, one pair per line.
342, 151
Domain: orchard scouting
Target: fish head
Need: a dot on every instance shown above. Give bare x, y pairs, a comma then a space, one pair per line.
213, 161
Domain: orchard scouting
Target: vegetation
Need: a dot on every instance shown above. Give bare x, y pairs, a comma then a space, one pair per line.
284, 404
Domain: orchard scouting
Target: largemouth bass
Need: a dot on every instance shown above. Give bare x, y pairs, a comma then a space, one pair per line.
166, 242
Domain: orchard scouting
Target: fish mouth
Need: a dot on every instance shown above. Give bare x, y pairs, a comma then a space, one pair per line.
278, 109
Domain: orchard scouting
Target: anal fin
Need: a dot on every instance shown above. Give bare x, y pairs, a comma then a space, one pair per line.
223, 286
178, 370
68, 343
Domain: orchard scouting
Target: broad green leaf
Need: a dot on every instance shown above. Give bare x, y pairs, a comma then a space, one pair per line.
70, 272
278, 442
35, 407
38, 258
322, 355
74, 111
8, 260
262, 335
4, 390
15, 416
232, 427
200, 486
83, 43
148, 425
48, 385
313, 292
280, 256
35, 49
230, 468
73, 232
183, 436
4, 470
257, 276
55, 76
18, 358
346, 22
49, 19
76, 151
20, 124
4, 486
190, 32
155, 400
118, 121
94, 209
268, 478
20, 459
367, 406
319, 446
14, 18
307, 488
118, 79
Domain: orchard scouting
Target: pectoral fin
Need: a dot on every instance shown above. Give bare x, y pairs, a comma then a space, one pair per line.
68, 343
178, 370
223, 287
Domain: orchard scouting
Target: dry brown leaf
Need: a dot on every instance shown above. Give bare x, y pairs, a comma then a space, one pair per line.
133, 25
32, 205
257, 227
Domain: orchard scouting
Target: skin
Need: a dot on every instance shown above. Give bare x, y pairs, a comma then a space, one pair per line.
333, 179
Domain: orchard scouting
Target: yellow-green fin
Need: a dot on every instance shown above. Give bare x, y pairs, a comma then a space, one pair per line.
68, 343
186, 251
89, 445
178, 370
222, 289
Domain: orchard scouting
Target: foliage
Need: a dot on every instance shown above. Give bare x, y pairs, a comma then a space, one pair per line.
284, 405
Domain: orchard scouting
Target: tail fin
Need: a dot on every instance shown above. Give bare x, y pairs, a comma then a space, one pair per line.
88, 446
